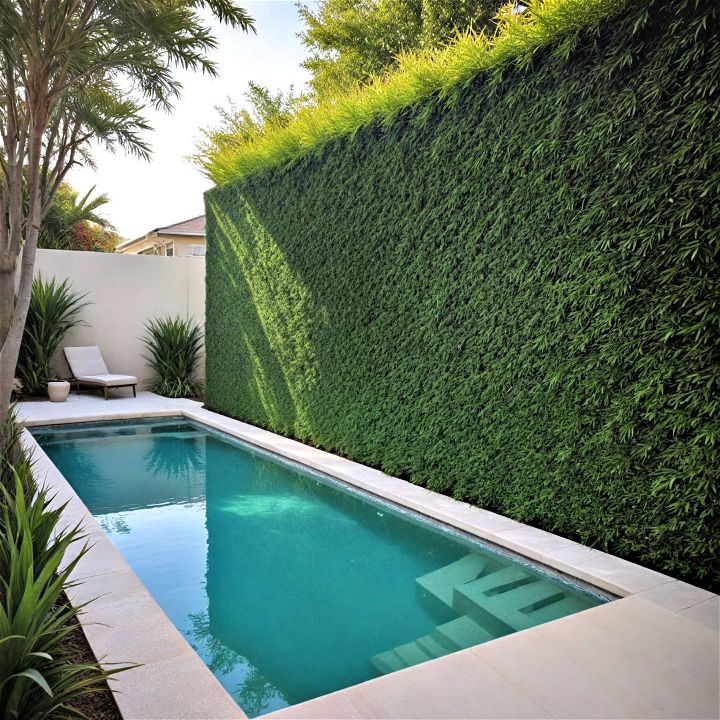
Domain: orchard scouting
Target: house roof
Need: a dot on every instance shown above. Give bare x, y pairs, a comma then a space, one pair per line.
194, 227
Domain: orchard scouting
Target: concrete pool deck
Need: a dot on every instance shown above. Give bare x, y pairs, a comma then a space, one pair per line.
653, 653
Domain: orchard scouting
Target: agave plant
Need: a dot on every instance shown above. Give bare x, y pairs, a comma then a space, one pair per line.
175, 345
54, 309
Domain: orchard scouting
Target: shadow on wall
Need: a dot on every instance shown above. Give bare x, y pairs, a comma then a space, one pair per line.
271, 325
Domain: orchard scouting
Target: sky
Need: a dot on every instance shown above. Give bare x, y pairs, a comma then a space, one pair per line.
167, 189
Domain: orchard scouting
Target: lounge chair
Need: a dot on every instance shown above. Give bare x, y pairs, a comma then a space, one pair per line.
88, 368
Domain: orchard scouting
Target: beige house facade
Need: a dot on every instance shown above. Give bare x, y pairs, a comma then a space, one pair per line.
183, 239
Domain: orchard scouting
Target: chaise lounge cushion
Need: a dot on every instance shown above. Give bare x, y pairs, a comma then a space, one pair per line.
87, 365
108, 379
85, 361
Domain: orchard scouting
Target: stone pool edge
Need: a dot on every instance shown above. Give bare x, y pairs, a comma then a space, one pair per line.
175, 683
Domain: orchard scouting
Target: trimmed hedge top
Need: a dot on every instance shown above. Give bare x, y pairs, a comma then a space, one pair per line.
419, 77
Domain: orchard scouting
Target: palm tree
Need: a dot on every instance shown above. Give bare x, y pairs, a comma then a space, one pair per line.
73, 72
66, 212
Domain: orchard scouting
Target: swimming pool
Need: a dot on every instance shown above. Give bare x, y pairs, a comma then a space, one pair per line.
288, 584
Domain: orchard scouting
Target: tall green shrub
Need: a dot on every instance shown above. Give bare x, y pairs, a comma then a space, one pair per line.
54, 310
175, 345
511, 298
418, 75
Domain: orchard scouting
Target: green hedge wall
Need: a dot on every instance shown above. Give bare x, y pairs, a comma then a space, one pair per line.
512, 298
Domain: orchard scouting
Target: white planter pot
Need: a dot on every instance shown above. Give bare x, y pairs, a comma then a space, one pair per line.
58, 391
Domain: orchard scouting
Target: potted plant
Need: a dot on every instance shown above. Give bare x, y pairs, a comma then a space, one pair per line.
58, 390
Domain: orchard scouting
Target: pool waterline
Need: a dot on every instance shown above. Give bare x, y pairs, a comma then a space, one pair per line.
195, 547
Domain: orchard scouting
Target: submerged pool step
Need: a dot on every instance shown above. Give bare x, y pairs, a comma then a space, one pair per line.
441, 583
432, 645
458, 634
512, 600
461, 633
182, 434
386, 662
566, 605
403, 656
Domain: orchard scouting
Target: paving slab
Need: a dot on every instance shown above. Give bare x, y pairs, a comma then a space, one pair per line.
87, 408
676, 595
706, 613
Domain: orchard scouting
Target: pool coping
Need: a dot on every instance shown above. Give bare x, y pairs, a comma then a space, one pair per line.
160, 688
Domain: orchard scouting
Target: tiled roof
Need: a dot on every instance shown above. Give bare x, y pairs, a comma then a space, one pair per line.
194, 226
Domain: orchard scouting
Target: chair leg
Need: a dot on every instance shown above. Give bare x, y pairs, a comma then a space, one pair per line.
134, 393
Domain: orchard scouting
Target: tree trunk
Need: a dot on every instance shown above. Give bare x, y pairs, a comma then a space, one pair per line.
11, 347
7, 297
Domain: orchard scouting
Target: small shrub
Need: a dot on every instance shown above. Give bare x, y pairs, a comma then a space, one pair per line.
54, 309
175, 344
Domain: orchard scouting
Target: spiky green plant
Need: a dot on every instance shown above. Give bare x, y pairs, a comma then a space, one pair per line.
38, 678
13, 461
54, 309
175, 345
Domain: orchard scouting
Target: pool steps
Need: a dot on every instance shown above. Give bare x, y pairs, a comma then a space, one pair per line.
491, 600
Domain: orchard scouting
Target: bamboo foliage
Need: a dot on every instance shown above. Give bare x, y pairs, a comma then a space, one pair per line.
420, 76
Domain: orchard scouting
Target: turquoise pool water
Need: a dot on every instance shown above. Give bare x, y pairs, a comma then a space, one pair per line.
288, 584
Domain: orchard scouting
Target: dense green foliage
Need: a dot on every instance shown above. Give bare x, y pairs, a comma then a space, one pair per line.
511, 298
419, 76
350, 41
39, 677
72, 223
175, 345
54, 309
238, 125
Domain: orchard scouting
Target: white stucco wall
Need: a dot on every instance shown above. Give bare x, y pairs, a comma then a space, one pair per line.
125, 291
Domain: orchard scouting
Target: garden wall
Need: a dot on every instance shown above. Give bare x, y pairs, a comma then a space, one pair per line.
125, 291
511, 298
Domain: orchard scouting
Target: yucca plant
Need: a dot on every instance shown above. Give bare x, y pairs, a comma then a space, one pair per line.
38, 678
18, 510
175, 345
54, 309
14, 462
